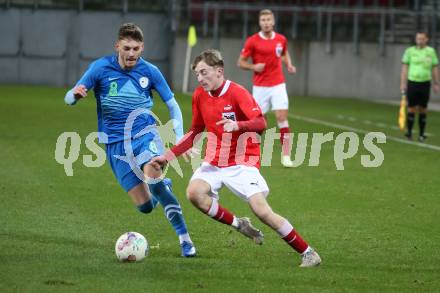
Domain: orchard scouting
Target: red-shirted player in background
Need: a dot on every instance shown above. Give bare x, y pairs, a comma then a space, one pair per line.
267, 49
232, 119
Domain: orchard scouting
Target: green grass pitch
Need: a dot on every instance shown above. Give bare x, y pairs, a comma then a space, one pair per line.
377, 229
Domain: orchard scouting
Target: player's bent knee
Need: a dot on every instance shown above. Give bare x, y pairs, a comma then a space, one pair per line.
146, 207
195, 190
197, 198
192, 193
261, 209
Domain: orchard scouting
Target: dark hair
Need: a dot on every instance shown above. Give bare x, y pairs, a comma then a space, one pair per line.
423, 32
130, 31
211, 57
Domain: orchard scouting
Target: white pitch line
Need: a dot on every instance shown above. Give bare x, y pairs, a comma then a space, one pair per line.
344, 127
378, 124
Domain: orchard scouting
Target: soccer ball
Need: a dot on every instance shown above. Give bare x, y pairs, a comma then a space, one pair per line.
131, 247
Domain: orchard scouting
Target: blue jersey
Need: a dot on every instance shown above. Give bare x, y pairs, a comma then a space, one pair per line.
119, 92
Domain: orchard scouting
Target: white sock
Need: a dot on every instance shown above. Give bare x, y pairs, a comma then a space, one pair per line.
307, 250
283, 124
285, 229
214, 208
235, 222
184, 237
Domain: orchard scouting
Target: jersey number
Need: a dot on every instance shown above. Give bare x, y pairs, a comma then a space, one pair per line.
113, 89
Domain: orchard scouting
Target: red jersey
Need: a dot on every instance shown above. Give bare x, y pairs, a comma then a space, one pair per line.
269, 52
224, 149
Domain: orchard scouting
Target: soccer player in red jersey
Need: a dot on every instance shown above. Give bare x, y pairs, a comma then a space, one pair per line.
232, 119
268, 50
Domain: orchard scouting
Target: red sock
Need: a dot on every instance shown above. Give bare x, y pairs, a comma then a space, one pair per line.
284, 134
220, 213
292, 238
295, 240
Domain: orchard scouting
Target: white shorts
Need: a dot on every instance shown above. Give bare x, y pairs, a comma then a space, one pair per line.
242, 180
271, 98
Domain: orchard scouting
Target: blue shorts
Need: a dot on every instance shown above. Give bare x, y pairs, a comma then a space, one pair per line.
143, 148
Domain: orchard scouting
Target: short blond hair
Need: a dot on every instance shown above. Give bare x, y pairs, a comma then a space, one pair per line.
265, 12
211, 57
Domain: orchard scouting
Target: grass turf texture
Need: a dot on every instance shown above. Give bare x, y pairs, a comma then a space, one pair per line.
376, 229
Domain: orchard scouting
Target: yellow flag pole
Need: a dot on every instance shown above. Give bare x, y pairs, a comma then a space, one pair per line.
402, 112
192, 41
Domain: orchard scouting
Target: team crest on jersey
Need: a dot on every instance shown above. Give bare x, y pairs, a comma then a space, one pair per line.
153, 147
229, 115
143, 81
279, 49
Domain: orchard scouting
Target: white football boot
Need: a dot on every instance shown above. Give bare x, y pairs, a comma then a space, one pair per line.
310, 259
286, 162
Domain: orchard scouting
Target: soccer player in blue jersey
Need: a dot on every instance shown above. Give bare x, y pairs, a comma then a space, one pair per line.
123, 85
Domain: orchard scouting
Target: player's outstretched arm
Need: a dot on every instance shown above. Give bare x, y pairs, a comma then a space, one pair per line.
73, 95
86, 83
183, 147
176, 116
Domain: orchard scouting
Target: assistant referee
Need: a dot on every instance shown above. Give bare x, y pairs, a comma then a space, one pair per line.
419, 67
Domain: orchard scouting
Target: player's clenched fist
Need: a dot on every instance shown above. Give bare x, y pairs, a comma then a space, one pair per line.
259, 67
291, 69
80, 91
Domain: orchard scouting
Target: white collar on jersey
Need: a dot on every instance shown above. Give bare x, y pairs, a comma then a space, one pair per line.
264, 38
225, 88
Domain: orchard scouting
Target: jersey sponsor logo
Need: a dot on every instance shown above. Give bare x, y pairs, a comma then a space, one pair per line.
279, 49
143, 81
227, 108
229, 115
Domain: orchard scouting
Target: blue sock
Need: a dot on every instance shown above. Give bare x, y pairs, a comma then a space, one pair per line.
154, 201
148, 206
171, 206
